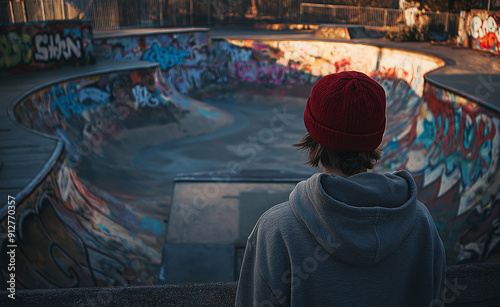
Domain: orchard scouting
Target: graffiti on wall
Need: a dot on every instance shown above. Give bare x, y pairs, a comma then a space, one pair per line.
48, 45
188, 64
91, 237
297, 63
480, 30
86, 112
63, 217
454, 154
15, 49
53, 47
182, 56
74, 231
448, 143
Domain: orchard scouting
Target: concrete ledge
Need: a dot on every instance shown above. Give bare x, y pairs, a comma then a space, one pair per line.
468, 285
112, 34
475, 284
202, 294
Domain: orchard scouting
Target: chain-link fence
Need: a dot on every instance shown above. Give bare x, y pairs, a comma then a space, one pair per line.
442, 23
115, 14
339, 14
215, 12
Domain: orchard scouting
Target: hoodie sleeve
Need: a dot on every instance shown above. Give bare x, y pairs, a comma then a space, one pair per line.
253, 290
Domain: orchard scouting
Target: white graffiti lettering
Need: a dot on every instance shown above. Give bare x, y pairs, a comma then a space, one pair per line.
49, 47
144, 97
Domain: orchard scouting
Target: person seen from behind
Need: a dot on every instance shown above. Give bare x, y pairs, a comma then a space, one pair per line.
346, 236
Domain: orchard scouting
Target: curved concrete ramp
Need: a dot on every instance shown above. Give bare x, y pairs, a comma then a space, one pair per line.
73, 233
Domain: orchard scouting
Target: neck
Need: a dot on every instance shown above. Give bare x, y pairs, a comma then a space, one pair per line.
336, 171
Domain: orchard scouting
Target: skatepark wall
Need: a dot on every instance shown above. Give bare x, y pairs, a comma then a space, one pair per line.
73, 234
480, 30
182, 54
64, 222
453, 154
45, 45
449, 143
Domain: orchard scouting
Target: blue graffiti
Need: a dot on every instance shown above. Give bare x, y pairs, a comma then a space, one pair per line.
152, 225
75, 33
208, 114
166, 56
72, 101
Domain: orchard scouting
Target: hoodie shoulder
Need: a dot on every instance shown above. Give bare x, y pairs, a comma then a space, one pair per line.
276, 217
277, 226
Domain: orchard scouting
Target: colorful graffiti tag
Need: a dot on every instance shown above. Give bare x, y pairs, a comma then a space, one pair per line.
182, 56
297, 63
449, 144
452, 150
15, 49
480, 30
73, 258
93, 237
74, 233
48, 45
83, 226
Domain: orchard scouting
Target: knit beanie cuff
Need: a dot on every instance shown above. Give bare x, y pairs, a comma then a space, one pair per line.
342, 141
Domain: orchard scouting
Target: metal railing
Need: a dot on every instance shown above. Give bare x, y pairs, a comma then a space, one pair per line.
212, 12
340, 14
441, 23
115, 14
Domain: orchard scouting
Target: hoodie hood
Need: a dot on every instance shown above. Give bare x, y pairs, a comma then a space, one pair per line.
360, 219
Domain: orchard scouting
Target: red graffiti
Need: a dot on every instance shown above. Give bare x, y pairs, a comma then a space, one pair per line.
489, 41
452, 128
342, 65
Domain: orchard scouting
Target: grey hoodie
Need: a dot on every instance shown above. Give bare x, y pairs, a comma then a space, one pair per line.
364, 240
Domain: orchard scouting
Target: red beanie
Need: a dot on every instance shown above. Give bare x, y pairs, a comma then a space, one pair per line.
346, 112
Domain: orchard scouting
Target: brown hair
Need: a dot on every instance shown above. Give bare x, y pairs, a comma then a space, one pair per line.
349, 163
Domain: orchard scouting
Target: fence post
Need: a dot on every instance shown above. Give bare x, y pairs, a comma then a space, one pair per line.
208, 11
300, 13
184, 13
25, 15
13, 20
385, 17
63, 13
446, 23
280, 9
173, 12
160, 4
191, 7
43, 9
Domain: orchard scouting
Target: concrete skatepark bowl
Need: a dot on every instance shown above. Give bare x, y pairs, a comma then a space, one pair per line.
166, 167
